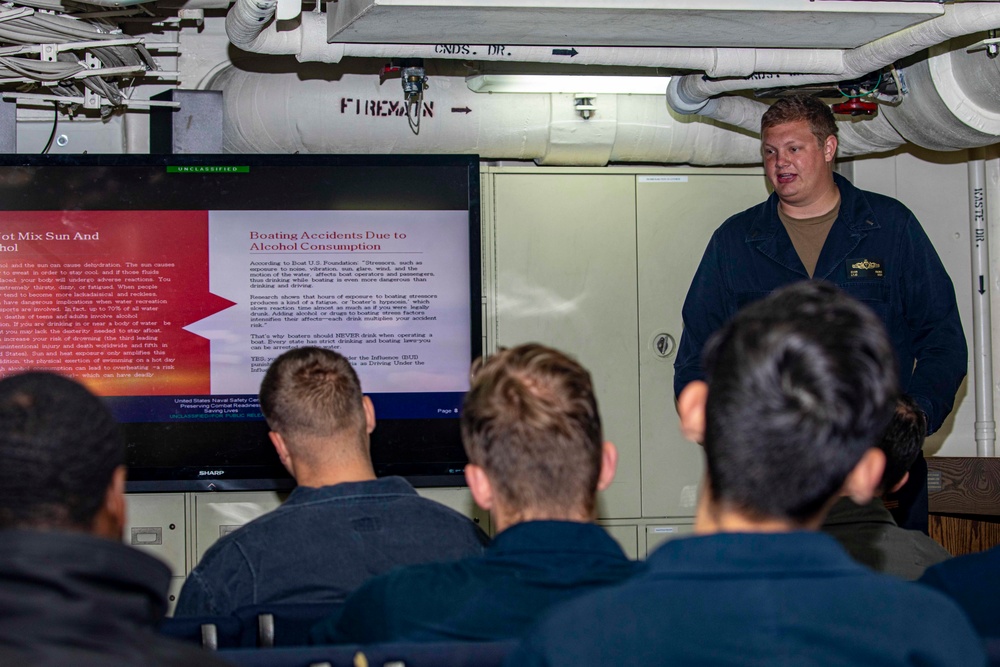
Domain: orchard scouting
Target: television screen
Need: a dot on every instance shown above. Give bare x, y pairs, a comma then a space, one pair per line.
167, 284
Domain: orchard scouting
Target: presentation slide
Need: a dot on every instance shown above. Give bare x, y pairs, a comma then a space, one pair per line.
176, 315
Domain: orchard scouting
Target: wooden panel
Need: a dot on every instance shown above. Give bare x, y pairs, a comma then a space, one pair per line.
965, 534
964, 485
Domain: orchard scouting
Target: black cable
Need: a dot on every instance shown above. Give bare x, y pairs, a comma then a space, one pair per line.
55, 125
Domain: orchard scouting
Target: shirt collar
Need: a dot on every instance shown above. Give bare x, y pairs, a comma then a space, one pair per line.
846, 511
372, 487
564, 536
778, 554
855, 213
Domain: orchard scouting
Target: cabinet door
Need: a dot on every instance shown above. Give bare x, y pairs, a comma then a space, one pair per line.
565, 276
156, 523
676, 217
218, 514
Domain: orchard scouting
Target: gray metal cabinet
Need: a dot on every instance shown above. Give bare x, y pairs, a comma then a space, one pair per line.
597, 262
565, 275
676, 216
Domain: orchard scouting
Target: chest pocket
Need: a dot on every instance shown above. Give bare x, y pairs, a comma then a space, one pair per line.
875, 295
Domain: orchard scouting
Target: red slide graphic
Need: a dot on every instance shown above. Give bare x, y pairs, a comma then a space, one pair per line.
103, 296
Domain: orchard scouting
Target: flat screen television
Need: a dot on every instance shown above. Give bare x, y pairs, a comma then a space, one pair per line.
167, 284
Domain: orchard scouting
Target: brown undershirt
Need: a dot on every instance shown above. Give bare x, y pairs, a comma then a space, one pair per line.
809, 234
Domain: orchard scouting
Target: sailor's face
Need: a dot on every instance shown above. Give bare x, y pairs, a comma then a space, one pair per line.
798, 166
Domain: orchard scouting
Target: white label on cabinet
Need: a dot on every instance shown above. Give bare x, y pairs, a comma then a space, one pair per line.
663, 179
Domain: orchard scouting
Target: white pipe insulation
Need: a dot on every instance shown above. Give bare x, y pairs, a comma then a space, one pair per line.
946, 110
286, 111
982, 362
690, 93
954, 99
856, 136
953, 102
326, 109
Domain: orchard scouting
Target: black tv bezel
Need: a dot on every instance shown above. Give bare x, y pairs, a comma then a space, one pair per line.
272, 475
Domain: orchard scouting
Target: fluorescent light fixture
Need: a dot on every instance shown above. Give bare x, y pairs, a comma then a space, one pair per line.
565, 83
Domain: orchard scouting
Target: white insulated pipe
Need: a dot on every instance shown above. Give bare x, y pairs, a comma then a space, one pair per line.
690, 93
322, 110
986, 432
856, 136
250, 26
953, 102
317, 110
863, 136
954, 99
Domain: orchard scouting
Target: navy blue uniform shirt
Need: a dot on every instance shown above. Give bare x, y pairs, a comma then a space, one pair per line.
322, 543
876, 251
973, 581
755, 599
528, 568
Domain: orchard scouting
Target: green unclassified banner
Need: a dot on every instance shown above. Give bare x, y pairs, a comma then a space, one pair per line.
209, 169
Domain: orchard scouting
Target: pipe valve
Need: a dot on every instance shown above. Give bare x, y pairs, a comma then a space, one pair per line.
414, 80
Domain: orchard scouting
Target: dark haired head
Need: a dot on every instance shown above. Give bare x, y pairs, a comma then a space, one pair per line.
311, 392
801, 107
902, 441
530, 421
800, 385
60, 447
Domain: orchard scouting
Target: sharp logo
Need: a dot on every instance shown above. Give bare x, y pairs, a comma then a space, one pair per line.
211, 473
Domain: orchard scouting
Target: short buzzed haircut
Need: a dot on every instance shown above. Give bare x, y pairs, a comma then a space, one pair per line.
530, 421
59, 448
800, 385
801, 107
312, 392
902, 441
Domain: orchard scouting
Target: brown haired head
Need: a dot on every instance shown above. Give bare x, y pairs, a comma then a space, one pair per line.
530, 421
801, 107
310, 393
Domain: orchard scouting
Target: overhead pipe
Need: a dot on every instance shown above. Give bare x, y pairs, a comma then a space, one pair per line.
250, 26
256, 103
856, 136
691, 93
953, 99
953, 102
325, 109
986, 433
